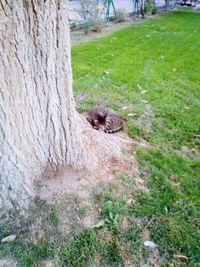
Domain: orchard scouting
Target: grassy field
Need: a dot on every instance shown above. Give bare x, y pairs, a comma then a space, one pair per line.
148, 72
153, 69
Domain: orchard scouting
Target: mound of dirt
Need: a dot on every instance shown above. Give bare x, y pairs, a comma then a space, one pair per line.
108, 155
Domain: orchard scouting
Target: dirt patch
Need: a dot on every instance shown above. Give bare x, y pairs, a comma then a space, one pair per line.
71, 190
8, 263
79, 35
190, 152
81, 183
47, 264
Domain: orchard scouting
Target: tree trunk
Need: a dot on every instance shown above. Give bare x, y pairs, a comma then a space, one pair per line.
38, 121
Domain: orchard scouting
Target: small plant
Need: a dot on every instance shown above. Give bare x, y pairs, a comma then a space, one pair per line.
120, 15
52, 217
112, 212
90, 15
113, 253
148, 6
98, 24
72, 25
154, 10
82, 251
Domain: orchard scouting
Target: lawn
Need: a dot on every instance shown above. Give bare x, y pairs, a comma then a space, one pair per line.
149, 73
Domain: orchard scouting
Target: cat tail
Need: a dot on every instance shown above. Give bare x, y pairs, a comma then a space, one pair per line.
110, 131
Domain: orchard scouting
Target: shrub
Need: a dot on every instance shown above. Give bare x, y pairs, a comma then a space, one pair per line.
72, 25
90, 15
148, 6
154, 10
98, 24
120, 15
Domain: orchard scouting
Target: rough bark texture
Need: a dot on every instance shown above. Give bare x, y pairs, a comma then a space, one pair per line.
38, 121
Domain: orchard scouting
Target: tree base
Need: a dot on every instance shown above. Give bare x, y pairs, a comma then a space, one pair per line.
103, 157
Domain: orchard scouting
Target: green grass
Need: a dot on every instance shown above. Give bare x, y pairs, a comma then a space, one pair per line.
173, 203
152, 68
23, 248
82, 250
157, 61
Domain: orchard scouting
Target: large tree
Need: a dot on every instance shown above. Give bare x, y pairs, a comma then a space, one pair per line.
38, 121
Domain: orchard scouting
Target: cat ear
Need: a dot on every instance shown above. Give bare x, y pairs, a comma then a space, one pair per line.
101, 114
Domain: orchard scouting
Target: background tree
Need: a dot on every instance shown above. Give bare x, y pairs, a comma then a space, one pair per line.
38, 121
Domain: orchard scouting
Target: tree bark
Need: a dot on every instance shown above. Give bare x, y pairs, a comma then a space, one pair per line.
38, 121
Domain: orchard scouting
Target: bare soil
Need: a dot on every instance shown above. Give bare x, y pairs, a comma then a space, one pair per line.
78, 36
71, 191
108, 152
8, 263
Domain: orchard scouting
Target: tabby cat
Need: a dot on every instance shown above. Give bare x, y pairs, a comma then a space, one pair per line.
110, 120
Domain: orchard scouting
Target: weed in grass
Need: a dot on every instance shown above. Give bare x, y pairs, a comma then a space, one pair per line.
112, 212
35, 253
131, 237
105, 193
125, 179
112, 253
53, 217
82, 250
